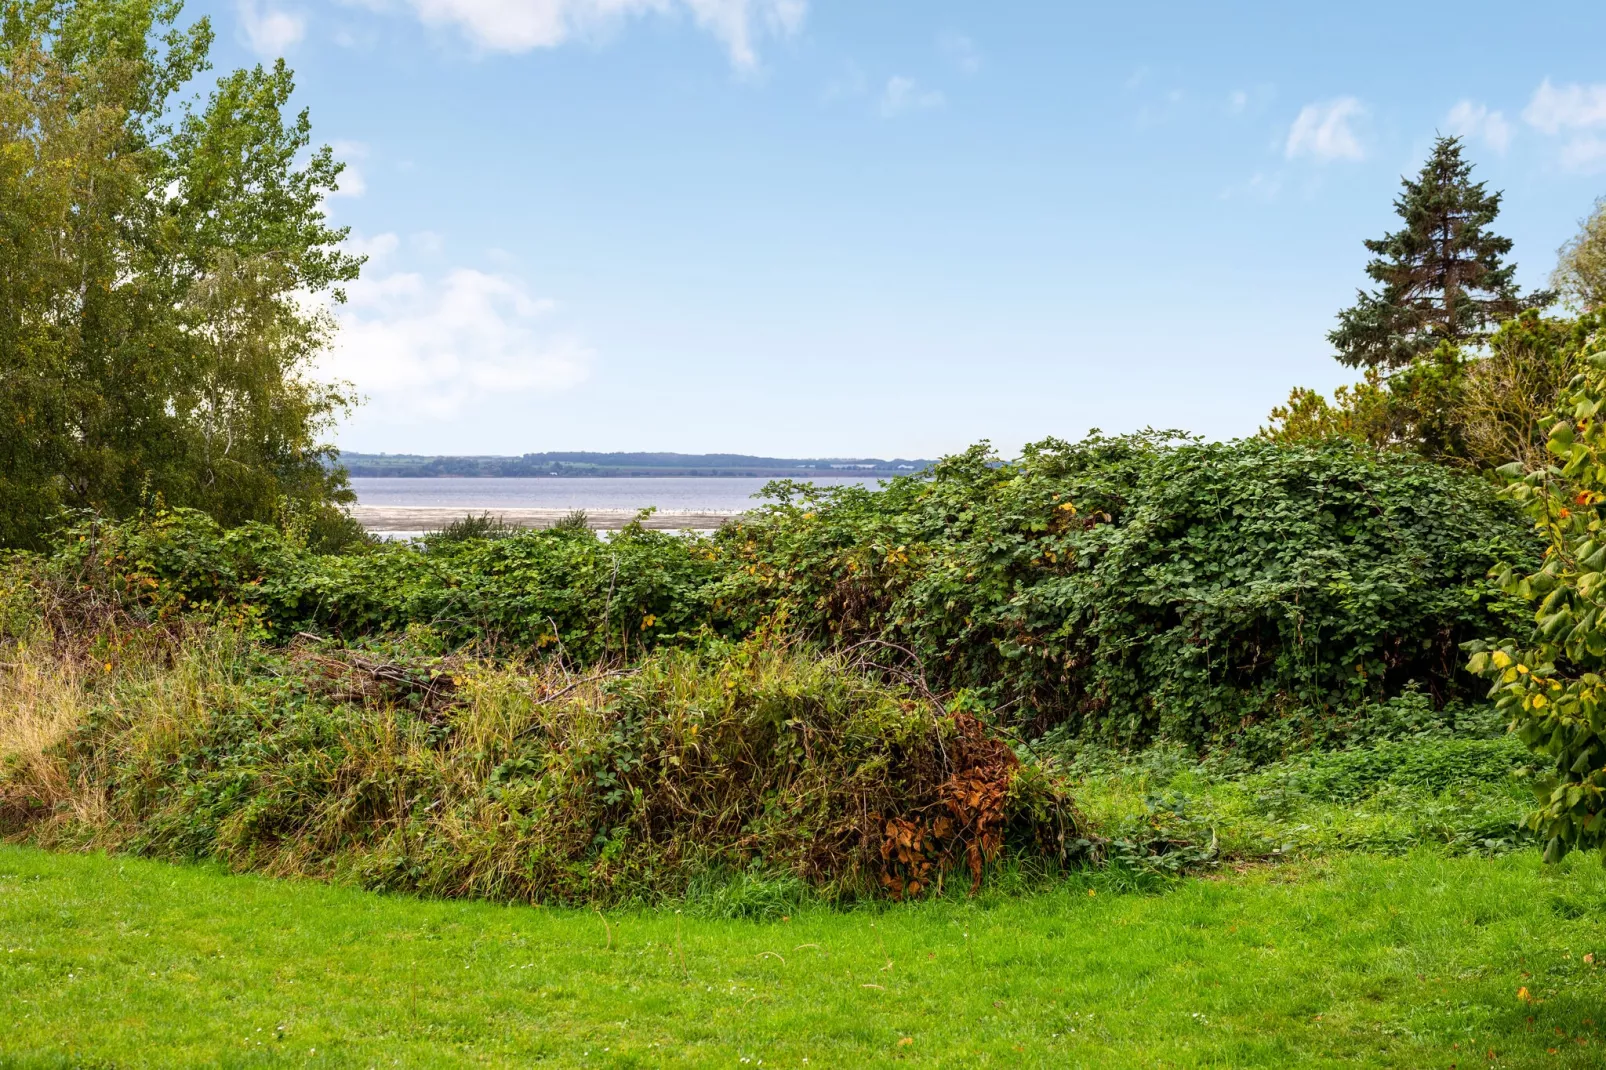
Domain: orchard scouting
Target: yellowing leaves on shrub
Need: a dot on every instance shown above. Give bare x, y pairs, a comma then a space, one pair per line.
1547, 684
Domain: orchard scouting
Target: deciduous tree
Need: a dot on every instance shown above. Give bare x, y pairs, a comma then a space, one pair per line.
165, 268
1581, 266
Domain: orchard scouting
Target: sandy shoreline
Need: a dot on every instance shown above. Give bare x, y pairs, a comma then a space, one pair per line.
433, 517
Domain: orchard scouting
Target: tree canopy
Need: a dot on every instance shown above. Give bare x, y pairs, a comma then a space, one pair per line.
165, 272
1581, 266
1442, 277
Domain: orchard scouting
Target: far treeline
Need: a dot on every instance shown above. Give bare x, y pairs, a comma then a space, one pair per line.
816, 680
621, 464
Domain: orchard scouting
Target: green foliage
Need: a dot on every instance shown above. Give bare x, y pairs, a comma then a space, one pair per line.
156, 254
1476, 410
396, 768
1441, 277
1134, 589
1581, 264
1247, 594
562, 591
1549, 682
1436, 789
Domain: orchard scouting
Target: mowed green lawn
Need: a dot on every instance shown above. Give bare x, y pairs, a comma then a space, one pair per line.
1420, 961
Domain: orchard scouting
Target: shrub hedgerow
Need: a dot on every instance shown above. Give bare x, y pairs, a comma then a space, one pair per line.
1124, 589
562, 589
1138, 588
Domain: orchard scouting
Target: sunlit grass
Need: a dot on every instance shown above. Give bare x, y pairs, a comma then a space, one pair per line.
1414, 961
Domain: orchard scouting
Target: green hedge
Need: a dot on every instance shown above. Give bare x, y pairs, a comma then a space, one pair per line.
1117, 588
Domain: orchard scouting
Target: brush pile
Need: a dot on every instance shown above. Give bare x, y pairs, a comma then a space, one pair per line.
394, 766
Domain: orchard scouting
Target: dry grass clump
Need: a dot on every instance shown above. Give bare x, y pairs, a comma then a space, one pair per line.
398, 768
42, 702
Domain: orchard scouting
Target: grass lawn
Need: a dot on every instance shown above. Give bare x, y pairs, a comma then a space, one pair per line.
1417, 961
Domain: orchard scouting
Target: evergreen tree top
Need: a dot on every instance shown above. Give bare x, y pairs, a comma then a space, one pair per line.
1442, 277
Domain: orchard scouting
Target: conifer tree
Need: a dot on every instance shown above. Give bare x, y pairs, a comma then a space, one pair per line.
1442, 276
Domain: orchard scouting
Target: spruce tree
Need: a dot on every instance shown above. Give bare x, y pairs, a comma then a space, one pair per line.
1441, 276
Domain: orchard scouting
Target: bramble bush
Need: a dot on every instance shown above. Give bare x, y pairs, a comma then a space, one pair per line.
561, 590
1121, 589
1134, 588
394, 768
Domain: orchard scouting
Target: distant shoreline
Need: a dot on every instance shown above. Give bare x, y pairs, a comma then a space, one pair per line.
409, 518
622, 465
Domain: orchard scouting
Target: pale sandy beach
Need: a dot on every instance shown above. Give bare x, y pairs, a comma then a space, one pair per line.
417, 518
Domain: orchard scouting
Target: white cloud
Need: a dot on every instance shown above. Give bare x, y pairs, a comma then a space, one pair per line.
377, 249
1586, 153
1467, 119
1569, 107
352, 183
268, 31
961, 52
522, 25
428, 348
1323, 131
904, 95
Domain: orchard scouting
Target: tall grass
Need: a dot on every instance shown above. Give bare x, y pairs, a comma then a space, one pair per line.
396, 768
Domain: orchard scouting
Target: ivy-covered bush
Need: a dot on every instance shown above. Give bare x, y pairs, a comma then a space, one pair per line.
1136, 587
1551, 683
1124, 589
561, 589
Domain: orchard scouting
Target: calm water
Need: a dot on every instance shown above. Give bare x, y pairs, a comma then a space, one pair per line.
580, 492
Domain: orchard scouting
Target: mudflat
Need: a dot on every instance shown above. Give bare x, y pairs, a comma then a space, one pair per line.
433, 517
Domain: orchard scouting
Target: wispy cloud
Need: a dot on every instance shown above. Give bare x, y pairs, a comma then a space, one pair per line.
352, 181
1323, 131
268, 31
1471, 120
1573, 109
428, 348
377, 249
1569, 107
1586, 153
961, 51
523, 25
903, 95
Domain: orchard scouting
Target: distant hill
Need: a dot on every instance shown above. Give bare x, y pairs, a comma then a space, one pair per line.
624, 464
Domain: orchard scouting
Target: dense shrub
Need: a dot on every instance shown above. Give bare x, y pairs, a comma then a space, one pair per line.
1547, 677
1133, 587
452, 776
1122, 589
560, 590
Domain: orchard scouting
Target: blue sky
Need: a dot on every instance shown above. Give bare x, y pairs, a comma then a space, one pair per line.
891, 227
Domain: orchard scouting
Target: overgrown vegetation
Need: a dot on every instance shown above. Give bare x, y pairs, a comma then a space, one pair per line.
1548, 681
1126, 589
384, 765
